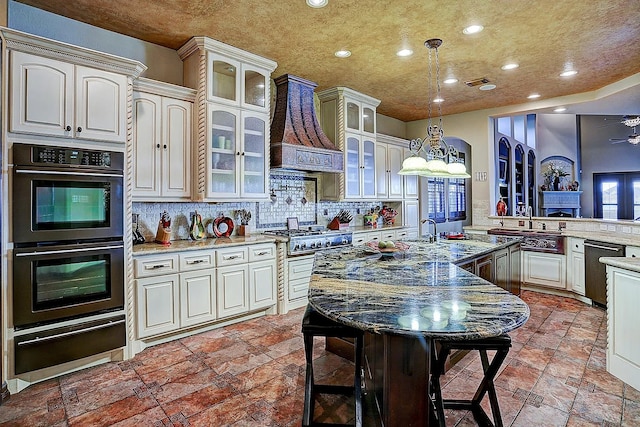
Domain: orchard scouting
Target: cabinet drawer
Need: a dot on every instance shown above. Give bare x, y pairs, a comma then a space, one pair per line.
298, 288
576, 245
402, 234
155, 265
632, 251
262, 252
198, 260
232, 256
300, 268
388, 235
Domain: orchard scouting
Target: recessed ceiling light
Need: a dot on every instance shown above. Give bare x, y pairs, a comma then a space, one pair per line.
534, 96
450, 81
472, 29
568, 73
559, 110
343, 53
438, 100
510, 66
404, 52
488, 86
317, 3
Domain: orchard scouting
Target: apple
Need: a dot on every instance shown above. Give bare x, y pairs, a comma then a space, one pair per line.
382, 244
390, 244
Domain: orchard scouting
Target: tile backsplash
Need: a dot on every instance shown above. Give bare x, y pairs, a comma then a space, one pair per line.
293, 194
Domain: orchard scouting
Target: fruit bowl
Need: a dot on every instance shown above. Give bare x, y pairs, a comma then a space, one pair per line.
386, 247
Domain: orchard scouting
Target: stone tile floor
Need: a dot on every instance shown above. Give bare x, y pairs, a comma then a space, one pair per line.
252, 374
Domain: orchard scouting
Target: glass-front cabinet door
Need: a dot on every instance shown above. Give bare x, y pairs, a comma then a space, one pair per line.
368, 120
255, 88
353, 115
224, 85
368, 168
253, 158
352, 167
223, 146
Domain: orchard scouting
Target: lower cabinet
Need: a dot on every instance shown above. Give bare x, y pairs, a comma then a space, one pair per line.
545, 269
186, 289
233, 290
575, 265
157, 305
197, 297
502, 268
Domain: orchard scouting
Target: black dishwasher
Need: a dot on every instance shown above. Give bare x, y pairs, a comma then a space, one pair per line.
595, 275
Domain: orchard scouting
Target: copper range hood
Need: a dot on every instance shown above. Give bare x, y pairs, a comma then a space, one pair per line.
297, 140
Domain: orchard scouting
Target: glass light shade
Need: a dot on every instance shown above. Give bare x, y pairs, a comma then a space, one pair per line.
414, 165
457, 170
437, 167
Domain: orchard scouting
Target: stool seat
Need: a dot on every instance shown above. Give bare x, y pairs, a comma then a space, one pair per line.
315, 324
441, 350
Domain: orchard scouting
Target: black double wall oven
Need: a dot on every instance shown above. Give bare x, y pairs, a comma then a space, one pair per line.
68, 258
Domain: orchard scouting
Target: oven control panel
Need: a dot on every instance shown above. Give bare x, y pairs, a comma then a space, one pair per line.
299, 245
46, 157
71, 156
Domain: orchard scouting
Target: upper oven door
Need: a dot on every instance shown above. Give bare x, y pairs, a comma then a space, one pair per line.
66, 205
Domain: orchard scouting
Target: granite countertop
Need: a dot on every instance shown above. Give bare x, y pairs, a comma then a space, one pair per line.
193, 245
403, 293
627, 263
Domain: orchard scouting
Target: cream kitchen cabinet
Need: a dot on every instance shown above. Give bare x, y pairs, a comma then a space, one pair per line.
623, 317
632, 251
544, 269
237, 158
56, 98
389, 185
232, 119
575, 265
186, 289
296, 282
348, 118
362, 237
162, 131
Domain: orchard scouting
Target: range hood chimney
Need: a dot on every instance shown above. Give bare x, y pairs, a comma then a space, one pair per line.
297, 140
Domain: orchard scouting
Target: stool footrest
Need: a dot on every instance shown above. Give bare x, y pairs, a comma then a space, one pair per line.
333, 389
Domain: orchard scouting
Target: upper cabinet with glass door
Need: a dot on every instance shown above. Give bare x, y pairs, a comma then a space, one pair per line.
348, 118
232, 121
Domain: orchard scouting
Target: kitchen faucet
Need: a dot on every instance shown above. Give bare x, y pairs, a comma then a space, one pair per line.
530, 214
435, 232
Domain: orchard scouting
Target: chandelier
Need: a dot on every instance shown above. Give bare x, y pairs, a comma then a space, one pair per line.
431, 155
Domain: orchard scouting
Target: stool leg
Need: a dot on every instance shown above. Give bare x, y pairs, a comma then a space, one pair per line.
357, 384
486, 385
437, 371
307, 414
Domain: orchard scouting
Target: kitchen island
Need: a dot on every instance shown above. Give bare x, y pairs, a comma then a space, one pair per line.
403, 302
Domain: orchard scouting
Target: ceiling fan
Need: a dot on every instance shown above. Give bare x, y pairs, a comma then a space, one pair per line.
634, 138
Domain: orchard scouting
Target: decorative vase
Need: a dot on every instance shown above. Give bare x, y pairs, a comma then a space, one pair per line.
556, 183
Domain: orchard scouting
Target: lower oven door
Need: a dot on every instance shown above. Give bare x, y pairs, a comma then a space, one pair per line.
59, 345
55, 283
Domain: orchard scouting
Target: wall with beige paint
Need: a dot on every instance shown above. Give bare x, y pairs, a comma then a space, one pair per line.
163, 63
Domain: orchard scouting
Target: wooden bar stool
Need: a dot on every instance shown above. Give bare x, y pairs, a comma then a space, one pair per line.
442, 349
316, 325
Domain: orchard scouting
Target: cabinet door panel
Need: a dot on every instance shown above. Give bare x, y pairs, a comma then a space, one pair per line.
176, 148
353, 173
394, 163
41, 95
254, 162
146, 137
262, 284
502, 269
382, 171
197, 297
368, 168
101, 105
223, 161
545, 269
157, 305
232, 290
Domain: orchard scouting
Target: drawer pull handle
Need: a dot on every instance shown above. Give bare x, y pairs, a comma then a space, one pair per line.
71, 333
197, 261
156, 266
232, 257
262, 253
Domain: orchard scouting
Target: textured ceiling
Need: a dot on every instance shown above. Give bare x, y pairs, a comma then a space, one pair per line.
600, 39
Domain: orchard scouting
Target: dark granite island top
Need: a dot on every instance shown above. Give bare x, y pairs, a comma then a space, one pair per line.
405, 300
